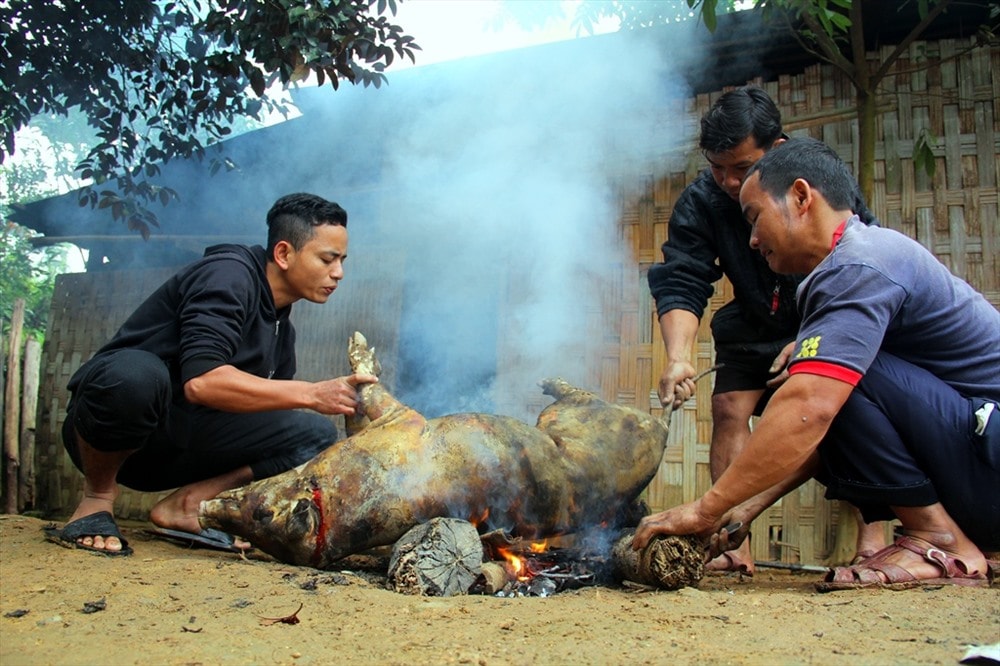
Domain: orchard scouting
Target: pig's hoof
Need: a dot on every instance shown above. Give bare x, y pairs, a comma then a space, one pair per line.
362, 358
556, 387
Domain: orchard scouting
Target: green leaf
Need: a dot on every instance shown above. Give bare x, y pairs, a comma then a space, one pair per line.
162, 79
708, 14
257, 82
923, 152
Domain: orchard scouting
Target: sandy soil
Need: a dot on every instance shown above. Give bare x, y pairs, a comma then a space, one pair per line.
167, 604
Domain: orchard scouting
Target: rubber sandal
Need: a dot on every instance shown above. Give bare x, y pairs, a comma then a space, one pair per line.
206, 538
100, 524
732, 566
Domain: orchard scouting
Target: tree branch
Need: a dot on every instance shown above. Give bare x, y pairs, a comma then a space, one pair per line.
856, 34
909, 39
954, 56
843, 65
828, 45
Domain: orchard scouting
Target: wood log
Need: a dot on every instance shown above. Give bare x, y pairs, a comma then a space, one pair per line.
29, 412
439, 558
495, 576
12, 404
667, 563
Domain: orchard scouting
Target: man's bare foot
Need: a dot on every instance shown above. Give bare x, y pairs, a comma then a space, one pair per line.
173, 513
179, 511
871, 539
738, 560
100, 490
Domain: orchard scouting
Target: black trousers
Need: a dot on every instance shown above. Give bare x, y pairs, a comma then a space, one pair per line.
124, 401
746, 367
906, 438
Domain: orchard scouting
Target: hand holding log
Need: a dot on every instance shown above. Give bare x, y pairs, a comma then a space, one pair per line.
668, 563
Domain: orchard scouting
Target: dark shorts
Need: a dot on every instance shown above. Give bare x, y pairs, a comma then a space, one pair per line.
905, 438
123, 401
745, 366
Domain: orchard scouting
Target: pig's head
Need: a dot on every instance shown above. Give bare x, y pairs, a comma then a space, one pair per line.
281, 519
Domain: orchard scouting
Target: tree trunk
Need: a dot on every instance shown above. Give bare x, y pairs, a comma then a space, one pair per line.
12, 402
3, 392
668, 563
845, 538
866, 144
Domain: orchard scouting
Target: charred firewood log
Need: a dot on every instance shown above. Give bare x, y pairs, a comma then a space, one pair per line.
667, 563
439, 558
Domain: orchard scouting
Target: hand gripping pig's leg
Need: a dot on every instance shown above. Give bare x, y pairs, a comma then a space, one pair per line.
376, 401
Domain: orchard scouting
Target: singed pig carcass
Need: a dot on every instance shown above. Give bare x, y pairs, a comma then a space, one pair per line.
581, 465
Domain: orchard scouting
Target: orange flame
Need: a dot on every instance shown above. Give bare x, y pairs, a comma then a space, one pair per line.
481, 518
517, 565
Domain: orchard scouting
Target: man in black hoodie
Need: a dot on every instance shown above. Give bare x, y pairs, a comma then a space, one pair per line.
753, 333
196, 392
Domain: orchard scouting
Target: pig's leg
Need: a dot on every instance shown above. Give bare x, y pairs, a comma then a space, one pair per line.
376, 401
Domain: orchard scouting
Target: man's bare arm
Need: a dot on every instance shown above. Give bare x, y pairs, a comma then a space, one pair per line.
779, 448
229, 389
793, 424
748, 511
678, 328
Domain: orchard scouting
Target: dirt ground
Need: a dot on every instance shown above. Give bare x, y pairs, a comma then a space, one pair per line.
168, 604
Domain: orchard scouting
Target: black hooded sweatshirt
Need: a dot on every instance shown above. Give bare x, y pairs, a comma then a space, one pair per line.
217, 311
708, 237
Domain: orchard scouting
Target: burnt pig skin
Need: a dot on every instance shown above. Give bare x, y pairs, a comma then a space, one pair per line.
583, 462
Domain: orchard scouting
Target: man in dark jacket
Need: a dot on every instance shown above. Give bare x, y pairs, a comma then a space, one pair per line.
753, 333
196, 392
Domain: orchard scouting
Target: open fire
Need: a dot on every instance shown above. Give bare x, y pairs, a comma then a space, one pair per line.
514, 568
447, 556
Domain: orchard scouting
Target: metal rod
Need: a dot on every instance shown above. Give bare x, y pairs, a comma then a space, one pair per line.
706, 371
792, 566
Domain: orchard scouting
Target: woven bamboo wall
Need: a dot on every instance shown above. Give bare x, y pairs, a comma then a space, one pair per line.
954, 214
85, 313
87, 309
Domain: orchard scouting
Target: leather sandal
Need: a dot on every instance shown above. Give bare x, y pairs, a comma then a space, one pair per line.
862, 555
866, 574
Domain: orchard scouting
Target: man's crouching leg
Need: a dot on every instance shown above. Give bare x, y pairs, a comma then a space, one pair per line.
119, 400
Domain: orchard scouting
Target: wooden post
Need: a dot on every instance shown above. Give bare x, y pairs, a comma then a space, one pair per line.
12, 403
846, 537
29, 411
3, 374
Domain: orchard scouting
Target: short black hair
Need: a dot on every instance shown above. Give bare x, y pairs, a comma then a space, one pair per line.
813, 161
745, 112
293, 216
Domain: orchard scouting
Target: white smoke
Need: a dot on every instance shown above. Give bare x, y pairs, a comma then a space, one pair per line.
485, 189
498, 183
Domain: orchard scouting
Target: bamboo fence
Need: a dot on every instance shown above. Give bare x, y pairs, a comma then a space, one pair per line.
18, 411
